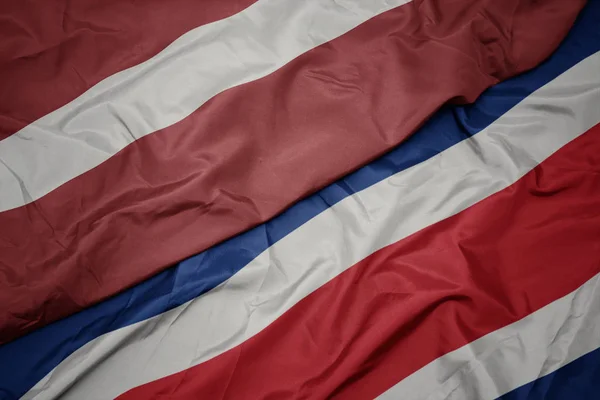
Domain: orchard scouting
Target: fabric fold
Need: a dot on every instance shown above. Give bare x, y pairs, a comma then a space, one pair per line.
254, 149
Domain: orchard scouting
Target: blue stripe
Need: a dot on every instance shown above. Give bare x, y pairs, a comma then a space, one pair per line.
578, 380
26, 360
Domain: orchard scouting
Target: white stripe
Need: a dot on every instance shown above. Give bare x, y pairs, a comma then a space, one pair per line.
167, 88
513, 356
332, 242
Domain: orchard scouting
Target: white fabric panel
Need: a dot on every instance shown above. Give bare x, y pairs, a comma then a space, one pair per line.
513, 356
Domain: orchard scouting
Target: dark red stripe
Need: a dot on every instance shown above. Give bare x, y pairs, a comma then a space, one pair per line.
53, 51
422, 297
255, 149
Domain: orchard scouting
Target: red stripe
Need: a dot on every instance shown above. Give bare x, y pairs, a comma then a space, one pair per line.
53, 51
255, 149
422, 297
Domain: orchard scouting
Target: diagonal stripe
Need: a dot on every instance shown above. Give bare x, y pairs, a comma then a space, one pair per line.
503, 360
167, 88
39, 352
428, 294
578, 380
62, 48
178, 191
284, 274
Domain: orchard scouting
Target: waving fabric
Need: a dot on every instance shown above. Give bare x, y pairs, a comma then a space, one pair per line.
225, 127
324, 199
